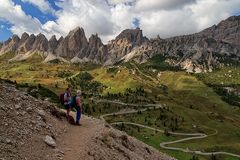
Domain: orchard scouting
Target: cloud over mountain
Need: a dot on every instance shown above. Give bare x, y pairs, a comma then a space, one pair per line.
43, 5
108, 17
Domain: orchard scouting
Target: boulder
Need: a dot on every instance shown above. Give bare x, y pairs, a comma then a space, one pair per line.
50, 141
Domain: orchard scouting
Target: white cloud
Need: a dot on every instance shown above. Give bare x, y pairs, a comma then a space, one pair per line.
156, 5
16, 16
191, 18
185, 19
2, 26
42, 5
167, 23
109, 17
206, 13
92, 15
115, 2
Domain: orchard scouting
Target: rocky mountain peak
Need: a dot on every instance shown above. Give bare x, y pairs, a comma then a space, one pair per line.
202, 50
95, 41
31, 38
53, 38
15, 38
10, 45
227, 31
41, 36
77, 37
76, 30
40, 43
233, 18
133, 36
24, 37
7, 41
60, 39
52, 44
74, 43
27, 45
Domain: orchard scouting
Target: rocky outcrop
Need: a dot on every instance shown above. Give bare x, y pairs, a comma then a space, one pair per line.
52, 44
124, 44
227, 31
198, 52
75, 43
10, 45
133, 36
26, 44
40, 44
25, 122
96, 49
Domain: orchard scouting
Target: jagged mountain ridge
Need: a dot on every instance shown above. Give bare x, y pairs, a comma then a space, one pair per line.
197, 52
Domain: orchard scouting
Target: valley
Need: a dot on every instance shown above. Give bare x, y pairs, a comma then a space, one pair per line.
160, 100
120, 80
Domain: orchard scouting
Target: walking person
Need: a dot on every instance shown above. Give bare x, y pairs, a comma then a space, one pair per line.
67, 100
78, 107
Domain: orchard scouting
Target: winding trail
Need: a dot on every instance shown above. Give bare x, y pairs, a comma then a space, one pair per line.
163, 145
143, 74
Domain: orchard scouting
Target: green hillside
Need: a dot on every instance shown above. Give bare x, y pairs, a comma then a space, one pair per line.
191, 103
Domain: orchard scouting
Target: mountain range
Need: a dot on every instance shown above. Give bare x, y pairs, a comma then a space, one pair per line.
200, 52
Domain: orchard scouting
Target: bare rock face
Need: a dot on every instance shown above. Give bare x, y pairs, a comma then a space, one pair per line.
52, 44
133, 36
124, 43
40, 44
95, 41
60, 39
227, 31
24, 37
74, 43
200, 52
10, 45
94, 48
22, 40
27, 45
5, 45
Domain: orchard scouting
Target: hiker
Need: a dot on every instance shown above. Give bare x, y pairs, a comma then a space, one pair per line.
67, 100
76, 103
78, 107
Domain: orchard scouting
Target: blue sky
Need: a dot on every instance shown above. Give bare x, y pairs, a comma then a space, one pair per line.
109, 17
29, 9
5, 33
35, 12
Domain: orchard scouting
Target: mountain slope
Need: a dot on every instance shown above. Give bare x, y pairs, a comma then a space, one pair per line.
203, 51
26, 123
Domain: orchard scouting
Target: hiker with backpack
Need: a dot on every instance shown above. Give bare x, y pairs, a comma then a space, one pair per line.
78, 107
66, 98
77, 104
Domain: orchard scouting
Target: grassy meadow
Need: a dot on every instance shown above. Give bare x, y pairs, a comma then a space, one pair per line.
191, 104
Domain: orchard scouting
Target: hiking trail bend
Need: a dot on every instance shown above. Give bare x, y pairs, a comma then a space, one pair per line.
193, 136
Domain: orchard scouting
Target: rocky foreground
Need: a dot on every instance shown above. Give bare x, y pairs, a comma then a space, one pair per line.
35, 129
